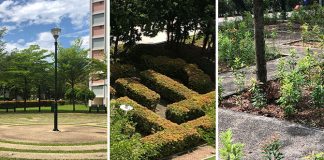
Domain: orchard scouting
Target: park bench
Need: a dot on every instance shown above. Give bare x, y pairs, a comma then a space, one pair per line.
98, 108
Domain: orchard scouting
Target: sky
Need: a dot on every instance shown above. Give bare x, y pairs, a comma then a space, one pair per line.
30, 21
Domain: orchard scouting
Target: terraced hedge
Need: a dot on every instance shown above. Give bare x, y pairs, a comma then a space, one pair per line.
112, 91
165, 65
168, 88
121, 71
189, 109
147, 121
177, 68
21, 104
164, 136
196, 79
138, 92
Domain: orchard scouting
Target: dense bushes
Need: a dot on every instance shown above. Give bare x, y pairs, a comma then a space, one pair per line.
121, 71
196, 79
138, 92
168, 88
177, 68
22, 104
147, 122
312, 15
168, 66
190, 109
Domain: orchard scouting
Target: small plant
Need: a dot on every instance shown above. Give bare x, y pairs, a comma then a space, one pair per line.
318, 96
258, 97
271, 151
230, 150
239, 75
315, 156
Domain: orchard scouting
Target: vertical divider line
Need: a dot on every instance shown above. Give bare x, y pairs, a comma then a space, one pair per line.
107, 38
216, 63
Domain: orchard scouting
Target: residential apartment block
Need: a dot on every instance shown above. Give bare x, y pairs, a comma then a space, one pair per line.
98, 48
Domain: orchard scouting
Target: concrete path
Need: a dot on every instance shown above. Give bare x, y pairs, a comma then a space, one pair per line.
298, 141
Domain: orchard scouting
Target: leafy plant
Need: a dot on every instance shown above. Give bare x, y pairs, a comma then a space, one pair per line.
318, 96
258, 97
315, 156
271, 151
230, 150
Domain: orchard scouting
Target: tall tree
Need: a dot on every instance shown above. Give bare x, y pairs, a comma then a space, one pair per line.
75, 66
258, 9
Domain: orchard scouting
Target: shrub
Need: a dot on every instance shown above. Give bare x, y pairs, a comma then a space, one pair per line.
84, 95
189, 109
147, 121
137, 91
271, 151
112, 91
258, 97
196, 79
121, 71
317, 96
313, 15
230, 150
125, 143
168, 88
165, 65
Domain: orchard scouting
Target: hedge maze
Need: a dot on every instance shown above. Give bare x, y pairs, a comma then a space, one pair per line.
187, 102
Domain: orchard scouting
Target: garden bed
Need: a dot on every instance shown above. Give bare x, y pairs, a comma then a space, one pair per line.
305, 113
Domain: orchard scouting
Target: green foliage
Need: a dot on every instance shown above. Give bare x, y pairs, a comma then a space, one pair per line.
312, 15
125, 143
318, 96
258, 97
84, 95
239, 75
315, 156
230, 150
271, 151
220, 90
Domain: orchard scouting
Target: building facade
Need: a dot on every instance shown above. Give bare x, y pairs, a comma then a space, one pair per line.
98, 48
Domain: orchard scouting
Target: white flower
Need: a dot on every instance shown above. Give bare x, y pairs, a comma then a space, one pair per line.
126, 108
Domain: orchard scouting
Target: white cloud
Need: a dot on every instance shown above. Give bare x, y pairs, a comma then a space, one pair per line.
45, 12
44, 39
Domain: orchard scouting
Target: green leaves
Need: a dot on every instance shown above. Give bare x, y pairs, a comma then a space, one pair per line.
230, 150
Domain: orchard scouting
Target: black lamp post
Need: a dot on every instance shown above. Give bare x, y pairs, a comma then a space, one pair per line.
55, 33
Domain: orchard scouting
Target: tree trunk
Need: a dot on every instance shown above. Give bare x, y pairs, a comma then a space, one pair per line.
73, 96
116, 44
39, 98
283, 9
194, 37
259, 41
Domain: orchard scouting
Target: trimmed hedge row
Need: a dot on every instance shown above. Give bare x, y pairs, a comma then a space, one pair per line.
147, 122
168, 88
165, 65
118, 70
197, 79
137, 91
205, 122
190, 74
189, 109
22, 104
171, 141
112, 91
164, 136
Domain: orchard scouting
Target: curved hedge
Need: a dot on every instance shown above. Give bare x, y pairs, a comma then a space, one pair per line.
197, 79
189, 109
137, 91
168, 88
121, 71
112, 91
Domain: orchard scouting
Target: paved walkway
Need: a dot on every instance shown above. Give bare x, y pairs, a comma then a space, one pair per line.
298, 141
199, 153
228, 78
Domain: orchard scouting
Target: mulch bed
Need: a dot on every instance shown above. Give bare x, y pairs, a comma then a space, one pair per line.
306, 114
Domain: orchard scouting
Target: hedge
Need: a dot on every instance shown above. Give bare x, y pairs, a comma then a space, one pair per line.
147, 122
204, 122
138, 92
21, 104
168, 88
196, 79
165, 65
189, 109
112, 91
164, 136
118, 70
171, 141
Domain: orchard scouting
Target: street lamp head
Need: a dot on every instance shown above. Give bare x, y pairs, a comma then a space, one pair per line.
56, 32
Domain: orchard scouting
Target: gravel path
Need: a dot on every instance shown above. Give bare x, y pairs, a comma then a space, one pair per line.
298, 141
